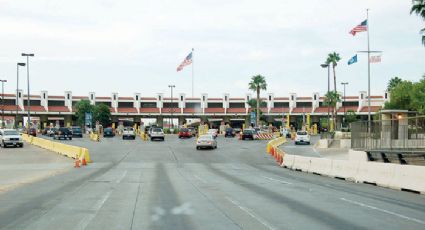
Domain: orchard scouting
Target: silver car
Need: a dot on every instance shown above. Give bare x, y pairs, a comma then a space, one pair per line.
206, 141
157, 133
10, 137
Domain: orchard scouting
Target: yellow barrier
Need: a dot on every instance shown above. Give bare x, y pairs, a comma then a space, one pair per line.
143, 136
63, 149
94, 137
272, 148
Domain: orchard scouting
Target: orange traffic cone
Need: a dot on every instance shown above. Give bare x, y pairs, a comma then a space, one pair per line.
84, 162
77, 163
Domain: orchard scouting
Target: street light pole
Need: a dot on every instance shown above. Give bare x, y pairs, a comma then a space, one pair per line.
329, 76
344, 84
28, 85
172, 108
2, 102
17, 89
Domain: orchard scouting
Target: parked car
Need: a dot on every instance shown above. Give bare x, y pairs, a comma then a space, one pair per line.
213, 132
62, 133
108, 132
230, 132
76, 131
248, 134
157, 133
302, 137
32, 132
193, 131
128, 133
10, 137
51, 132
185, 133
206, 141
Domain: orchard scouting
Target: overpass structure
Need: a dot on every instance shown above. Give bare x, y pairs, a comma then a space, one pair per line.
49, 109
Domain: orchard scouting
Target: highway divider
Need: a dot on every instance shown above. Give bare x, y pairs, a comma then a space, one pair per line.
273, 149
70, 151
400, 177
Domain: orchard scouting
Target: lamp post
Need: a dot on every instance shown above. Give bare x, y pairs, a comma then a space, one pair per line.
172, 108
329, 75
17, 89
344, 84
28, 85
2, 102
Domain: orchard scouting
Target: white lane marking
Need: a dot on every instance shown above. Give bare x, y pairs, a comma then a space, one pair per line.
199, 178
159, 212
252, 214
121, 177
96, 207
281, 181
383, 210
184, 209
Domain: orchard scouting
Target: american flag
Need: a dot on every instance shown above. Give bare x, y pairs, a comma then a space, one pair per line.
375, 59
186, 61
359, 28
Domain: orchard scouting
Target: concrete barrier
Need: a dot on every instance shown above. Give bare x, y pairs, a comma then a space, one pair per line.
302, 163
344, 169
408, 177
322, 144
375, 173
320, 166
273, 149
71, 151
288, 161
357, 155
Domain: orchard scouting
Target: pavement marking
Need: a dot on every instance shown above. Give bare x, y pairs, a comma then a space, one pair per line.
96, 207
281, 181
384, 211
184, 209
199, 178
252, 214
121, 177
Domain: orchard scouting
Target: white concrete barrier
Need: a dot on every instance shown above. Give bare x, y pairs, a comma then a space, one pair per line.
288, 161
345, 143
374, 172
409, 177
344, 169
321, 166
302, 163
357, 155
322, 144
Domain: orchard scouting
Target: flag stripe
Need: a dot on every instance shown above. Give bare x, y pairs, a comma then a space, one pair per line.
186, 61
359, 28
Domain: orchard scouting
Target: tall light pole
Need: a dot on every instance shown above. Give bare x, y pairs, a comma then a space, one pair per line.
329, 76
28, 84
172, 108
17, 89
344, 84
2, 102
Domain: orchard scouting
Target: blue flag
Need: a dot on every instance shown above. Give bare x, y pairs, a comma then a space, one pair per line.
352, 60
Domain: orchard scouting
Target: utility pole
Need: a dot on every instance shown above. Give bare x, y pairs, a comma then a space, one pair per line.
17, 91
172, 108
2, 102
344, 84
28, 85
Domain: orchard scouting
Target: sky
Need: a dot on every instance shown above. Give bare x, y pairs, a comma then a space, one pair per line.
130, 46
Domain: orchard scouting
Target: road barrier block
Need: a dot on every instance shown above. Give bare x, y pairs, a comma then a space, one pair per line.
378, 173
344, 169
301, 163
288, 161
408, 177
320, 166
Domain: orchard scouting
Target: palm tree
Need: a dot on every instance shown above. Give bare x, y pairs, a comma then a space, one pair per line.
333, 58
419, 9
258, 83
393, 83
331, 99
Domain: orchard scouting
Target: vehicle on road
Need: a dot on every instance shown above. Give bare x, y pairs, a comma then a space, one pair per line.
157, 134
284, 132
51, 131
185, 133
230, 132
193, 131
108, 132
62, 133
10, 137
76, 131
248, 134
128, 133
32, 132
213, 132
206, 141
302, 137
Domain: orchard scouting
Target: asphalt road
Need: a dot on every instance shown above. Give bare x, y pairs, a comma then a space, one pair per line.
170, 185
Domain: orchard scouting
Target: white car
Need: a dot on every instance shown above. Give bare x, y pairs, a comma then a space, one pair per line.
213, 132
206, 141
10, 137
128, 133
302, 137
157, 133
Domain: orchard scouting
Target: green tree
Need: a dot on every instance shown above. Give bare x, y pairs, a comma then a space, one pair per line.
418, 96
333, 59
419, 9
82, 107
401, 96
102, 114
258, 83
350, 116
393, 83
331, 99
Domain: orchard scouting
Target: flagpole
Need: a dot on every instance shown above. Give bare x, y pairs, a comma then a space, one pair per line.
368, 74
193, 67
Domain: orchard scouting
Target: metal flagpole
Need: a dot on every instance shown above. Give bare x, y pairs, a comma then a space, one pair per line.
368, 74
193, 67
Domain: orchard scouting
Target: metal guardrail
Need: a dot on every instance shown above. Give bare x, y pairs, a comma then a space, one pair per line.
392, 135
